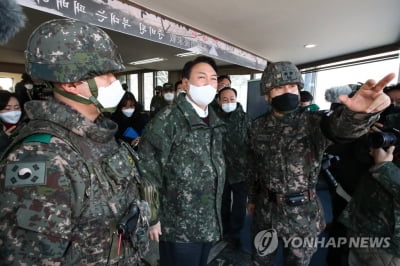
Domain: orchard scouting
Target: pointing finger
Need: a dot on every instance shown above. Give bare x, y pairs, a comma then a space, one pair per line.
383, 82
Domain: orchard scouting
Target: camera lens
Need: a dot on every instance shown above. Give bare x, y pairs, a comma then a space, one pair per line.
382, 139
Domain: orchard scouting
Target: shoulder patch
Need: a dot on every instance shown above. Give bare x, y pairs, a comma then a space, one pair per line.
40, 137
25, 174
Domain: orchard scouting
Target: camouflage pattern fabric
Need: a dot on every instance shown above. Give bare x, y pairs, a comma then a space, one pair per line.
68, 211
66, 50
374, 210
184, 155
235, 143
285, 157
372, 256
157, 103
278, 74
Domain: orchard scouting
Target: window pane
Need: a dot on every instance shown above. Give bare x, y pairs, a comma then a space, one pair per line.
148, 89
161, 77
351, 75
133, 85
6, 84
257, 75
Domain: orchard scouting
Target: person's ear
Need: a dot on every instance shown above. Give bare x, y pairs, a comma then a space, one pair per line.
185, 83
72, 87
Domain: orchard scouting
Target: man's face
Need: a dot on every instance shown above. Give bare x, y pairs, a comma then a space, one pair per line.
288, 88
223, 83
101, 81
202, 74
227, 96
394, 96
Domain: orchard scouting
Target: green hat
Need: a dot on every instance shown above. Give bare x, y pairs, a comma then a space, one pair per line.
279, 74
67, 50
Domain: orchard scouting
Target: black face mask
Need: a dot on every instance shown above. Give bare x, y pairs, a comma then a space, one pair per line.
286, 102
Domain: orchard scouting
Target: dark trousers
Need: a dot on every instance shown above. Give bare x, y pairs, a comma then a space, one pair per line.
184, 254
233, 211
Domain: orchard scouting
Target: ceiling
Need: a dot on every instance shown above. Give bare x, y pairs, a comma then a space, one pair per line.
278, 30
274, 30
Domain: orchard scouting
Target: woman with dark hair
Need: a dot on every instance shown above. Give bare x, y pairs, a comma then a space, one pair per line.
130, 119
10, 117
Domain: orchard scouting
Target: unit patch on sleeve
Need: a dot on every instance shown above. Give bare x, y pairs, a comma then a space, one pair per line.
25, 174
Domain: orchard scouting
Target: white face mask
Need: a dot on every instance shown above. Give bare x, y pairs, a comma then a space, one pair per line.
202, 95
229, 107
11, 117
110, 96
169, 96
29, 86
128, 112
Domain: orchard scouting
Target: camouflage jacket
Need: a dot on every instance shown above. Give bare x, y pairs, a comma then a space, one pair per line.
157, 103
63, 193
285, 157
184, 155
374, 210
235, 143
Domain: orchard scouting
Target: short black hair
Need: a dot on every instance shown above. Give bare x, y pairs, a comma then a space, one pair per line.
225, 89
26, 77
391, 88
187, 68
305, 96
179, 82
224, 77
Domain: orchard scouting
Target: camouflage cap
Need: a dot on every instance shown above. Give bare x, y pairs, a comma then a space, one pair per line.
168, 86
279, 74
66, 50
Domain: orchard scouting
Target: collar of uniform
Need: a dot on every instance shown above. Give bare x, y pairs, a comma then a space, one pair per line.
202, 113
101, 130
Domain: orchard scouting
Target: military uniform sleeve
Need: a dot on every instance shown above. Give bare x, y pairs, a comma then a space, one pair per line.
36, 209
253, 184
346, 124
388, 176
152, 150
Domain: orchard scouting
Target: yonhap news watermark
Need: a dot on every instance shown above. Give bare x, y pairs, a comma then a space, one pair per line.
266, 242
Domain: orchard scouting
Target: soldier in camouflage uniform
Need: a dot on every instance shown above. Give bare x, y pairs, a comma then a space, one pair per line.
181, 148
68, 192
234, 198
286, 148
374, 211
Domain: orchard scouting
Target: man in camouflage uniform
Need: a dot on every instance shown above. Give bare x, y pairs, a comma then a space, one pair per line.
374, 211
65, 184
234, 198
181, 149
157, 102
286, 148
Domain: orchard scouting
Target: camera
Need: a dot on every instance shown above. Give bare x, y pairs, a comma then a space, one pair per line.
384, 139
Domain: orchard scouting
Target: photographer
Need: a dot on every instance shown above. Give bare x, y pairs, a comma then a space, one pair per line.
374, 211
